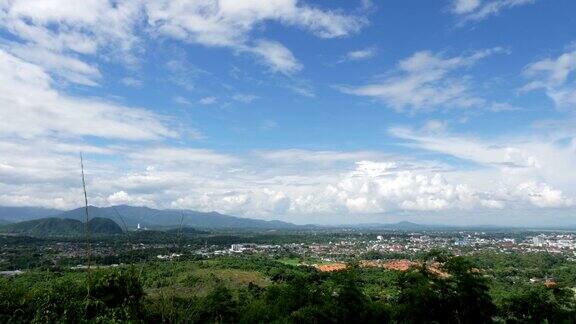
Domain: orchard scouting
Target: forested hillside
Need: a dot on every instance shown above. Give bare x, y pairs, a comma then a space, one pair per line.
54, 226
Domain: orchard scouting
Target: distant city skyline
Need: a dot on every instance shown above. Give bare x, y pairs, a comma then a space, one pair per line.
329, 112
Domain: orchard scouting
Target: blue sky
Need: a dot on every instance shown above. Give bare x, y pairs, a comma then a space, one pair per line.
458, 111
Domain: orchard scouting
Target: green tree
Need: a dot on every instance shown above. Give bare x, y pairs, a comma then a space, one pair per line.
458, 296
538, 304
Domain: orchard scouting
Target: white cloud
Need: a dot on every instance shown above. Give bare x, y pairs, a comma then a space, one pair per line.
302, 88
32, 107
230, 23
462, 147
42, 127
208, 100
244, 98
66, 31
557, 76
123, 198
266, 201
56, 32
119, 198
276, 56
465, 6
269, 184
182, 101
381, 187
362, 54
427, 81
131, 82
475, 10
170, 156
225, 22
39, 161
293, 156
67, 67
372, 187
542, 195
268, 124
435, 126
534, 169
45, 171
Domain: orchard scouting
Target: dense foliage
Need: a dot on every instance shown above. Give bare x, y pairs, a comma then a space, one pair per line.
261, 290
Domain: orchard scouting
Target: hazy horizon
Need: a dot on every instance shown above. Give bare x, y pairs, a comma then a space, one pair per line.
545, 218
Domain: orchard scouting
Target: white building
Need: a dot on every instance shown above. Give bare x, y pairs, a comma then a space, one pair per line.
538, 241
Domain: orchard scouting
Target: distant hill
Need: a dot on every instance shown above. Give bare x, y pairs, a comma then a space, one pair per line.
146, 217
54, 226
101, 225
400, 226
154, 218
406, 226
18, 214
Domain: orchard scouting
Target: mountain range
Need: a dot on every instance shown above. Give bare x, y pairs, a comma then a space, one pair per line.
131, 217
18, 214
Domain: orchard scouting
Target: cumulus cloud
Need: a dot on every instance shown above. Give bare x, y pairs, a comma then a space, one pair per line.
542, 195
123, 198
267, 202
265, 184
371, 187
386, 186
381, 187
427, 80
528, 169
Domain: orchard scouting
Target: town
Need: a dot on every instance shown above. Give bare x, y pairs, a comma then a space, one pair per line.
310, 247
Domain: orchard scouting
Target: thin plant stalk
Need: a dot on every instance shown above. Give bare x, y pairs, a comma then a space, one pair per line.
86, 230
127, 234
